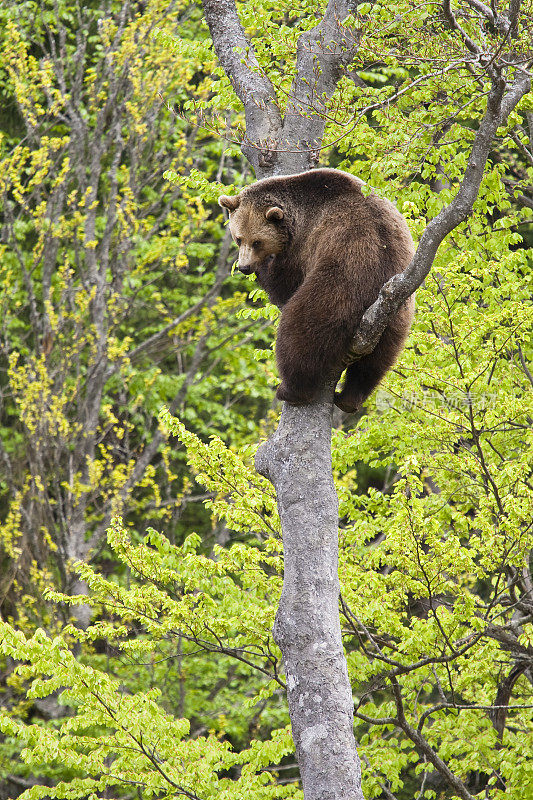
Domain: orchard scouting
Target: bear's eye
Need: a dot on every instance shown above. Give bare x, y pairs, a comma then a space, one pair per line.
238, 241
257, 243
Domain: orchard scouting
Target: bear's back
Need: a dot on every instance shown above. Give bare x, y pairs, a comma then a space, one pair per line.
305, 194
331, 220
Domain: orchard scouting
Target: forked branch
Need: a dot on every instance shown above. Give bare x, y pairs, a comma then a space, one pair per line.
274, 145
237, 57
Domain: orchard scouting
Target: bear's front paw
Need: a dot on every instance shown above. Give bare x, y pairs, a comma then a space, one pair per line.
294, 398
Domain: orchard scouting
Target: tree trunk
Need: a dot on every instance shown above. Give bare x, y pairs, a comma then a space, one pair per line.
297, 459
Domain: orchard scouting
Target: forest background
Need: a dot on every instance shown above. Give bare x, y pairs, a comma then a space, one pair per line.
140, 556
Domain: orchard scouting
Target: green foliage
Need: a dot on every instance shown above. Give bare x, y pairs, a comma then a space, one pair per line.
117, 302
427, 560
188, 606
114, 300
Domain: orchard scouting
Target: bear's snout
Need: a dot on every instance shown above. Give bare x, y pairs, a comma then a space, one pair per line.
246, 269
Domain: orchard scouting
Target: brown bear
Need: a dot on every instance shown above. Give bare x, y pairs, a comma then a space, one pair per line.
322, 250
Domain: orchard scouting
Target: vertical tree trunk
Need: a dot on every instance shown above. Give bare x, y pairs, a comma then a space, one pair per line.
297, 459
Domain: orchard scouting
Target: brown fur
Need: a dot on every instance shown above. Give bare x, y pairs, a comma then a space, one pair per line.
322, 251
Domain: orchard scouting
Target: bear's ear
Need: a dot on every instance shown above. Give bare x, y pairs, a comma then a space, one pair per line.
274, 212
231, 203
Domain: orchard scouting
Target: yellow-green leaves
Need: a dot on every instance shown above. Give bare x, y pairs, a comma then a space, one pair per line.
182, 604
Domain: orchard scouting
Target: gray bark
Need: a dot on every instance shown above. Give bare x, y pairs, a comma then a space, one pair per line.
263, 118
297, 458
322, 54
276, 146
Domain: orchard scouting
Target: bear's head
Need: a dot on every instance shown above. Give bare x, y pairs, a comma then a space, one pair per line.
257, 230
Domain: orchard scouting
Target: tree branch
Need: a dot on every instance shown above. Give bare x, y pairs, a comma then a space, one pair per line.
253, 88
322, 53
400, 287
452, 20
274, 146
482, 8
424, 747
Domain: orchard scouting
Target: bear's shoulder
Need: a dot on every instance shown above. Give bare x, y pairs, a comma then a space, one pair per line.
303, 186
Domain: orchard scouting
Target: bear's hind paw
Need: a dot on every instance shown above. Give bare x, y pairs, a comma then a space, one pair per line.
347, 404
294, 398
